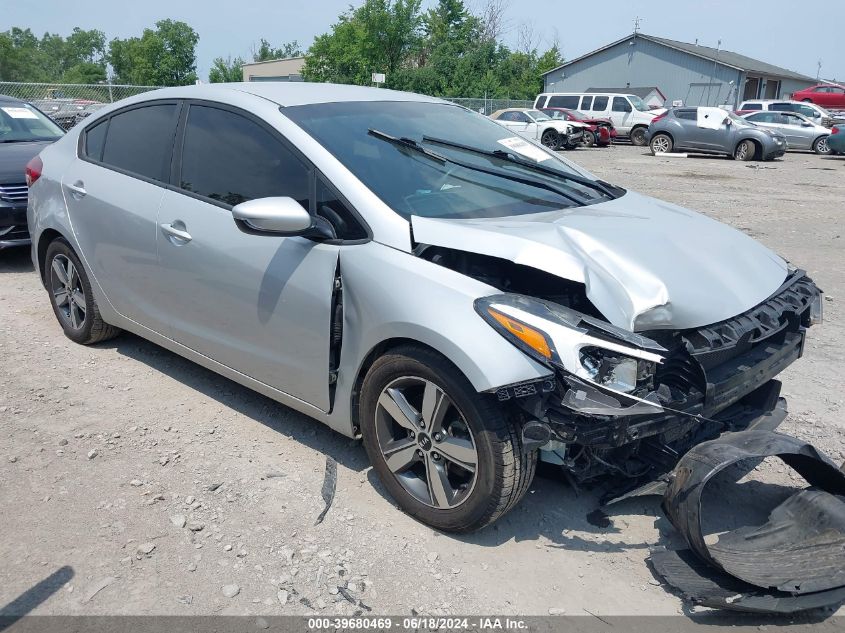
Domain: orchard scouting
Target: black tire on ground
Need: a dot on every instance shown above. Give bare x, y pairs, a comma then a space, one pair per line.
551, 139
91, 328
589, 139
638, 136
820, 145
661, 144
503, 473
745, 150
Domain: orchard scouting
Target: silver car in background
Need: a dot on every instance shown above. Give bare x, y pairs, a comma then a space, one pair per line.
800, 132
411, 273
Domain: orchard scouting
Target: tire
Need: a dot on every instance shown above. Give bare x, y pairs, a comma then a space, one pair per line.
661, 144
551, 139
806, 100
468, 500
638, 136
745, 150
589, 139
78, 315
820, 145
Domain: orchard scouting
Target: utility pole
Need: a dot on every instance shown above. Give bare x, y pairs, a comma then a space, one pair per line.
819, 69
637, 21
713, 77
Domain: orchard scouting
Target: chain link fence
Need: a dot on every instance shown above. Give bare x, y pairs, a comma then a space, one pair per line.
489, 106
67, 104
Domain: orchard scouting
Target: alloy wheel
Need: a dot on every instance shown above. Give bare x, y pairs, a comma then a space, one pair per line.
660, 145
426, 442
822, 146
68, 293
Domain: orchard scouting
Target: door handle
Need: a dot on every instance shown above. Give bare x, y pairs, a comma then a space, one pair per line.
77, 188
176, 233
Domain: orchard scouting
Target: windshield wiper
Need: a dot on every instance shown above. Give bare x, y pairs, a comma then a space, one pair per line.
411, 144
597, 185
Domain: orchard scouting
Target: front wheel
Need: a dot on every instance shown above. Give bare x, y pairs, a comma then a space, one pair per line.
638, 136
71, 296
821, 146
551, 139
589, 139
449, 456
745, 150
661, 144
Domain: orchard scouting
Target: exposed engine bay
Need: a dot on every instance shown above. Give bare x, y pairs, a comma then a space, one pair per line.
632, 404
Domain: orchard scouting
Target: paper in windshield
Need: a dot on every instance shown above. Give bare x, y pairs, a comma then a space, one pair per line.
19, 113
518, 145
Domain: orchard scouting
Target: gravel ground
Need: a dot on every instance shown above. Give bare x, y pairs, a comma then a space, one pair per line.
134, 481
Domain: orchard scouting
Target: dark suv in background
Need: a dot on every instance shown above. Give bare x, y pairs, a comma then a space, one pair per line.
24, 132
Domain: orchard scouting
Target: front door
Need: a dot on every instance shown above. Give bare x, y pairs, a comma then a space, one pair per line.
258, 303
113, 192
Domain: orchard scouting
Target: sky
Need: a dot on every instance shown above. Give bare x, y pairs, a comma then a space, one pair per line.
779, 32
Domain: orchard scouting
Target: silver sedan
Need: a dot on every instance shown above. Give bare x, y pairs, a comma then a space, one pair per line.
412, 274
800, 132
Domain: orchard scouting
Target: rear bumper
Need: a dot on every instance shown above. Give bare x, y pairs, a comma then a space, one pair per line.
13, 228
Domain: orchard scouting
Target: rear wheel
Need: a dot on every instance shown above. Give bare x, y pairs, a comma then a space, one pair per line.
551, 139
449, 456
661, 144
638, 136
745, 150
71, 297
820, 146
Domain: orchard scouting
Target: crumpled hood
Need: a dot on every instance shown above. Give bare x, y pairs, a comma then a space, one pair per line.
646, 264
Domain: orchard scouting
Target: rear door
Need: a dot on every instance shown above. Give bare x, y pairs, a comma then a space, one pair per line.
113, 191
256, 302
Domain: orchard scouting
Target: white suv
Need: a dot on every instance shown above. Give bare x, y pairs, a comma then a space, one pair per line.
816, 114
629, 114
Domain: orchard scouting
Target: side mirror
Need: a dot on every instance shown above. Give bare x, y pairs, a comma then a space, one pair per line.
282, 216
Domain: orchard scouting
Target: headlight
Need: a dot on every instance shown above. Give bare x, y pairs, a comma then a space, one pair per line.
559, 337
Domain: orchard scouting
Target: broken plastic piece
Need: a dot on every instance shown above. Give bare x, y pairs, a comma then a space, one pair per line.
329, 485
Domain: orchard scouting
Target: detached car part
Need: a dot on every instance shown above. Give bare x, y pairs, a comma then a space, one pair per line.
794, 561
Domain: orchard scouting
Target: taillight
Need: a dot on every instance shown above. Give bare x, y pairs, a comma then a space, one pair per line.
33, 170
835, 130
658, 117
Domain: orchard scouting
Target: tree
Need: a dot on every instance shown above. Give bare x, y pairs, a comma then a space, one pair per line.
265, 52
162, 57
223, 70
80, 56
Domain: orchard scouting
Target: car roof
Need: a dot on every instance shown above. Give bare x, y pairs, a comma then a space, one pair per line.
8, 99
289, 93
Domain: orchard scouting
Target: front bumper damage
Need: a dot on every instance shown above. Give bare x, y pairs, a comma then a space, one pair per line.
714, 379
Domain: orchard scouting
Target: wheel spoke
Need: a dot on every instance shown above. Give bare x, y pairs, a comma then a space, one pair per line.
71, 273
400, 454
394, 402
61, 296
438, 483
434, 407
459, 451
79, 300
74, 318
60, 271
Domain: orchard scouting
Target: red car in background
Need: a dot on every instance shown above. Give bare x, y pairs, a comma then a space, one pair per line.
825, 95
601, 133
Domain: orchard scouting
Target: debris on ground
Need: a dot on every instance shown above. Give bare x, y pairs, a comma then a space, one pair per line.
329, 485
793, 562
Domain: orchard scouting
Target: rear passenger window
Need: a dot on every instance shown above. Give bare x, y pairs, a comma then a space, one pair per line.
570, 102
753, 106
232, 159
94, 140
690, 115
586, 103
599, 104
140, 140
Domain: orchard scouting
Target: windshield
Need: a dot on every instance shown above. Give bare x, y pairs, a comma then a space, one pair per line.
539, 116
638, 103
414, 183
21, 122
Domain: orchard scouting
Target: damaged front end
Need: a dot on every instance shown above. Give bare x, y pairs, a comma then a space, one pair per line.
632, 404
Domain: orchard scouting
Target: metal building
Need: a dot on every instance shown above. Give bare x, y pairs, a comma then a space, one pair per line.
694, 74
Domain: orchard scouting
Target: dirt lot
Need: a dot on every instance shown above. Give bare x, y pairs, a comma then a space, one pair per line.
145, 484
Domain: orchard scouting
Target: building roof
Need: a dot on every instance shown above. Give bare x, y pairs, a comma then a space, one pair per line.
272, 61
641, 92
723, 57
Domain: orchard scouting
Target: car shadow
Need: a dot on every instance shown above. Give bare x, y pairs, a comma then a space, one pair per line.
15, 260
552, 508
